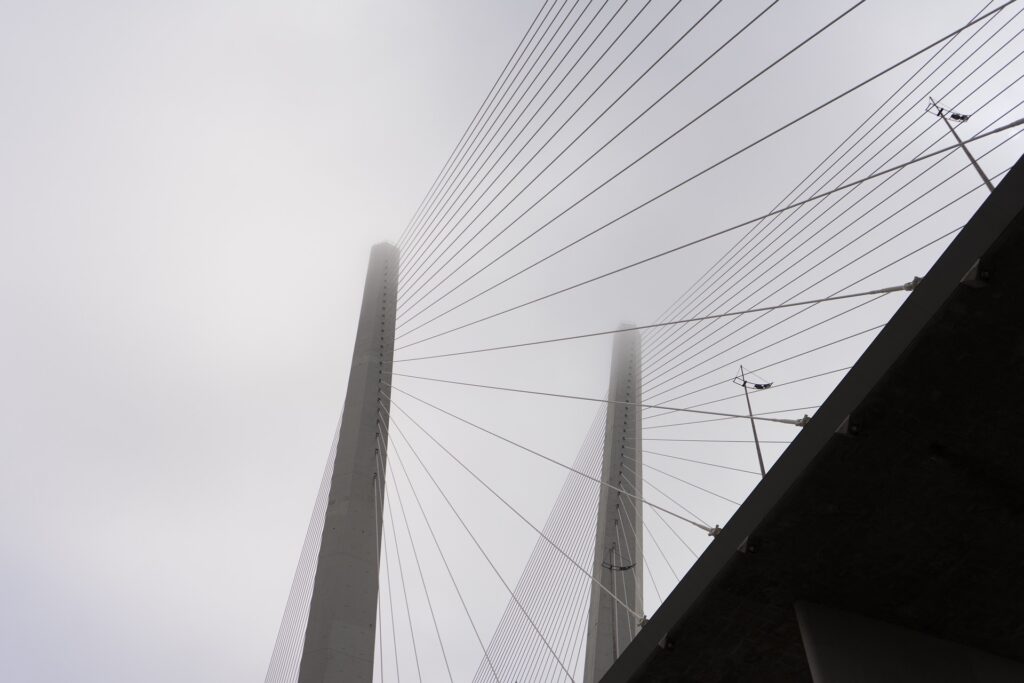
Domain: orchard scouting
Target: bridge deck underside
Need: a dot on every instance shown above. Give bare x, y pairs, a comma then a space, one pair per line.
916, 520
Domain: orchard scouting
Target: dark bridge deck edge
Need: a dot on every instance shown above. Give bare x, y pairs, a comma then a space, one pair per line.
979, 237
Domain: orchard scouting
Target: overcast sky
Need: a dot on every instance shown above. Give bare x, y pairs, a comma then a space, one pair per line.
189, 194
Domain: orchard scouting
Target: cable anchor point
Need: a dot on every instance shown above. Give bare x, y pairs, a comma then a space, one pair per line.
618, 567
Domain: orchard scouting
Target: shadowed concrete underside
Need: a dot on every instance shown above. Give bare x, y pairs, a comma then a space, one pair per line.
912, 517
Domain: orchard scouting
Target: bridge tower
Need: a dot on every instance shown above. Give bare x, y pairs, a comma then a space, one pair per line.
618, 547
339, 641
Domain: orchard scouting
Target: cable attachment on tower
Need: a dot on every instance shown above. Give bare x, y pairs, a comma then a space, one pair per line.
618, 567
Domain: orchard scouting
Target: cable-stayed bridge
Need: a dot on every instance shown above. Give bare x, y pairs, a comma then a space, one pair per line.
758, 343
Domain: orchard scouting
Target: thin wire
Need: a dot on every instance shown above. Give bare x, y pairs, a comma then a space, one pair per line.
519, 514
553, 112
754, 231
472, 536
286, 656
648, 438
801, 354
975, 188
584, 537
472, 125
676, 533
690, 483
423, 582
683, 340
688, 244
376, 531
646, 482
391, 609
440, 552
401, 576
907, 128
588, 335
693, 177
479, 142
794, 279
702, 462
477, 139
815, 265
588, 398
568, 146
650, 572
446, 208
641, 157
552, 460
775, 385
480, 173
573, 490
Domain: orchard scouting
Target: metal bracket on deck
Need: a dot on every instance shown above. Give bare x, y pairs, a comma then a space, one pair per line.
848, 427
977, 276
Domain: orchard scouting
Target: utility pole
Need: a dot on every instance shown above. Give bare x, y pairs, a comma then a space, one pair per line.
618, 546
942, 114
339, 642
750, 411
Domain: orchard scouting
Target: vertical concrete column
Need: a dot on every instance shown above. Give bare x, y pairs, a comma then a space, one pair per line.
339, 644
618, 547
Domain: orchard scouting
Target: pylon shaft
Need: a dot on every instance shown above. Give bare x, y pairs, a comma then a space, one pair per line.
340, 632
618, 547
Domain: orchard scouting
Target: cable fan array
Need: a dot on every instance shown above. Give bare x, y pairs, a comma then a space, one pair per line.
616, 170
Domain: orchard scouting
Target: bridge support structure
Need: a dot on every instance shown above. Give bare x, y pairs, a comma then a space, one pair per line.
618, 546
340, 631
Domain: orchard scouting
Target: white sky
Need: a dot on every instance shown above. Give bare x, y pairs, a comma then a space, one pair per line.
189, 194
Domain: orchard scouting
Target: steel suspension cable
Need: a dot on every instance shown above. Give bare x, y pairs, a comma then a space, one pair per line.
444, 217
680, 538
495, 112
381, 429
551, 114
509, 505
656, 370
437, 544
284, 660
602, 333
566, 147
733, 362
472, 536
792, 240
557, 608
423, 583
584, 398
691, 243
473, 122
677, 186
546, 458
932, 214
704, 462
681, 341
555, 525
678, 304
598, 151
467, 174
877, 225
